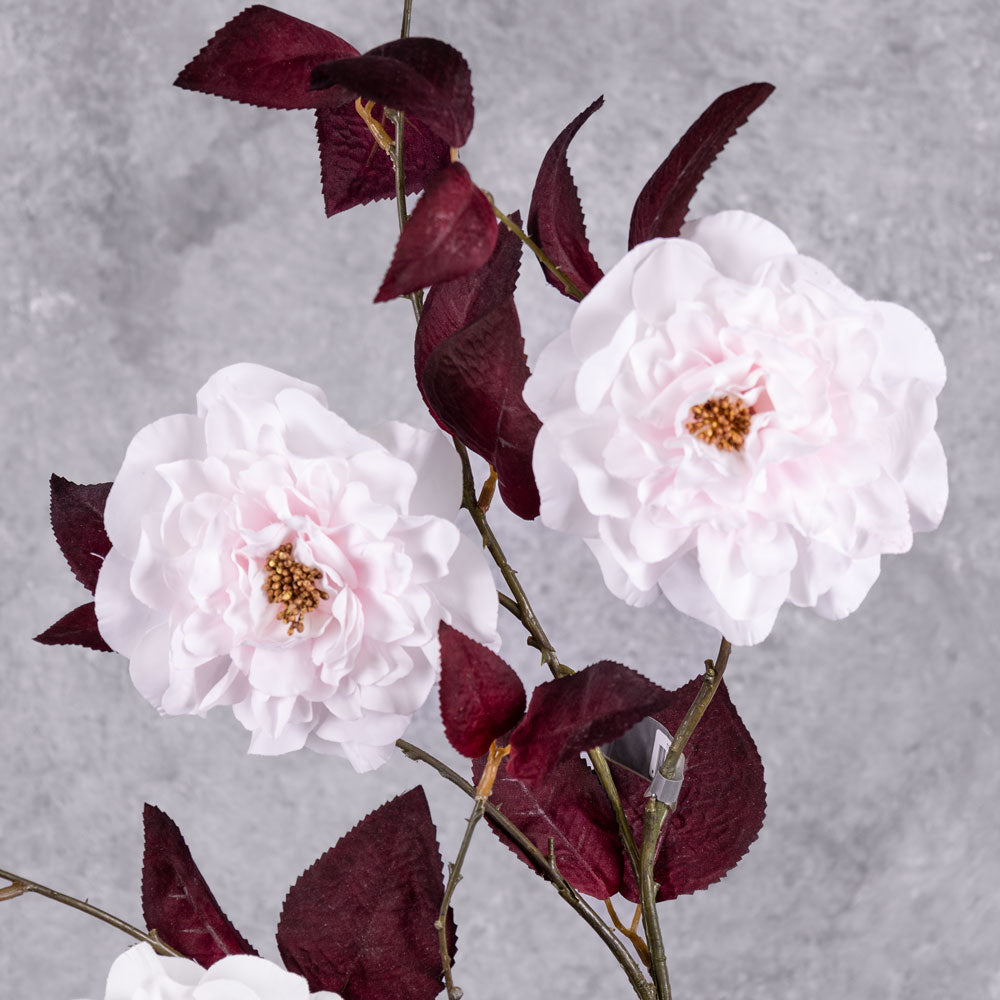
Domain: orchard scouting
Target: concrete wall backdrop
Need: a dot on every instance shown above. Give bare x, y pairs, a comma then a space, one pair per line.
150, 236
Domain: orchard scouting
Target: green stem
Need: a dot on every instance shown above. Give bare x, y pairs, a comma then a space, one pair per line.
454, 877
526, 615
27, 885
470, 501
643, 988
657, 813
404, 31
543, 258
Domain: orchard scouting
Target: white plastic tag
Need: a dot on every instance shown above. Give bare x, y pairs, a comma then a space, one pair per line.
642, 750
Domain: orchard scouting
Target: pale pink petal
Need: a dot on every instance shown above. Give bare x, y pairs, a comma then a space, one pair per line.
926, 485
738, 242
198, 511
838, 465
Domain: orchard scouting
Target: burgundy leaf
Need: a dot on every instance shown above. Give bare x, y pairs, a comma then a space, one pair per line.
77, 514
177, 902
451, 306
481, 696
78, 628
265, 57
663, 203
356, 171
423, 77
721, 806
452, 232
570, 807
584, 710
555, 219
360, 920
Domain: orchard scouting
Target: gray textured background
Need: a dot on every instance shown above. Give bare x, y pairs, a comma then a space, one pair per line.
149, 236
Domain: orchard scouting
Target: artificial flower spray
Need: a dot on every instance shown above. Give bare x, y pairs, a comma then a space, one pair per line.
723, 423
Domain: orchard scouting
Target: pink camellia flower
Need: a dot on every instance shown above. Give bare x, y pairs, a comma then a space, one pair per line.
266, 555
141, 974
726, 422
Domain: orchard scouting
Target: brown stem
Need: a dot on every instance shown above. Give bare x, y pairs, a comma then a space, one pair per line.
454, 877
656, 814
630, 932
643, 988
19, 882
543, 258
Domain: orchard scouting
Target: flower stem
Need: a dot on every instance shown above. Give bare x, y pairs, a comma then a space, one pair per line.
20, 884
543, 258
520, 599
657, 813
643, 989
526, 614
454, 876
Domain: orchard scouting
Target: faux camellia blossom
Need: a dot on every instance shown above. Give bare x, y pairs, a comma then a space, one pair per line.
141, 974
726, 422
268, 556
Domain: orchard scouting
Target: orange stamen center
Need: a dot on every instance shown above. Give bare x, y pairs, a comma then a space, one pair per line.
292, 584
724, 422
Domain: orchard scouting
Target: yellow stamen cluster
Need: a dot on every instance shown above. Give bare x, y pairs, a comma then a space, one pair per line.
292, 584
724, 422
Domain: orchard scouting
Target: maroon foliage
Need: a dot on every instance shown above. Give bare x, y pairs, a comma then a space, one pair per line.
473, 383
424, 77
77, 514
360, 921
721, 806
265, 57
471, 370
451, 306
355, 170
481, 696
570, 807
452, 232
663, 203
579, 712
176, 900
555, 219
78, 628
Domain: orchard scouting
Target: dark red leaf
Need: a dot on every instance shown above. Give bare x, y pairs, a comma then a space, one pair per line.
423, 77
555, 219
451, 306
481, 696
77, 514
451, 232
360, 921
663, 203
356, 171
473, 383
265, 57
579, 712
570, 807
721, 806
177, 902
78, 628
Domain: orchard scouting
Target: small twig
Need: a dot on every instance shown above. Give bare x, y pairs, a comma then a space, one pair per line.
630, 932
656, 814
642, 988
454, 877
20, 885
710, 682
509, 604
486, 493
528, 618
404, 31
543, 258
